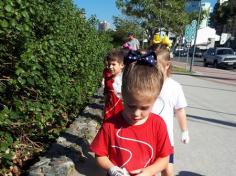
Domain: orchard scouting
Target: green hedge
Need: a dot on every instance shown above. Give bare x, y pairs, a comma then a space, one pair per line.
51, 60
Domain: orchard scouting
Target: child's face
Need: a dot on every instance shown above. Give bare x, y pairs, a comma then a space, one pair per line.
137, 109
115, 67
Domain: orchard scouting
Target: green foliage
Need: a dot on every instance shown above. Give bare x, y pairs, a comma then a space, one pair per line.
51, 60
156, 15
223, 14
123, 27
6, 142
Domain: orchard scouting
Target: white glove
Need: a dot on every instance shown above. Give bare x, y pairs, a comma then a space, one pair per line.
185, 137
117, 171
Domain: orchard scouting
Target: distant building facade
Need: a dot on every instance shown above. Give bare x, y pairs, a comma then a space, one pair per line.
103, 26
206, 36
206, 7
194, 6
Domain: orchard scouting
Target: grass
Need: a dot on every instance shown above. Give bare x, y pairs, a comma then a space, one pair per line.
180, 70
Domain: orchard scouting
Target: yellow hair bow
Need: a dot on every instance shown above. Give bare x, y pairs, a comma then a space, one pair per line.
156, 39
166, 41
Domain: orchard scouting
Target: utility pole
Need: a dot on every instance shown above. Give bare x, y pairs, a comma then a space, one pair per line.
198, 24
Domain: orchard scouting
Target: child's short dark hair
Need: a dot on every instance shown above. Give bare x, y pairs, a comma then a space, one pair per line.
115, 55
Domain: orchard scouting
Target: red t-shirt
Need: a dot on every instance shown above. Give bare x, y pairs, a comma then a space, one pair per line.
113, 104
133, 147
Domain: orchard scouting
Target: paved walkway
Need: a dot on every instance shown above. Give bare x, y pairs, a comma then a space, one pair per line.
211, 96
212, 125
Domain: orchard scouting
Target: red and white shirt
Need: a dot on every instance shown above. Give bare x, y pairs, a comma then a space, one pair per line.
132, 146
113, 104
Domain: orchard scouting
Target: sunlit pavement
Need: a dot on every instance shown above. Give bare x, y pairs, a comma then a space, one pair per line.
212, 125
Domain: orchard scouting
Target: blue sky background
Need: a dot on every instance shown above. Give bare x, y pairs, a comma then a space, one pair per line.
105, 9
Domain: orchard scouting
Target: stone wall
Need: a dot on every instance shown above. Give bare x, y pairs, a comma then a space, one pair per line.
70, 156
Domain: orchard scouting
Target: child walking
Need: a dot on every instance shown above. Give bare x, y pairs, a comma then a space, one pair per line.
174, 104
112, 75
135, 141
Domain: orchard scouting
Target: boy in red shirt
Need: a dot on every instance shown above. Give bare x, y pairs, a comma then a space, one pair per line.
135, 141
112, 75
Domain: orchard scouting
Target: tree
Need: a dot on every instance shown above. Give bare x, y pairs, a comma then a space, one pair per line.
124, 25
157, 15
223, 14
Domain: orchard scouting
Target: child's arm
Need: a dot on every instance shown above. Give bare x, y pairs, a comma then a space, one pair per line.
182, 120
104, 162
159, 165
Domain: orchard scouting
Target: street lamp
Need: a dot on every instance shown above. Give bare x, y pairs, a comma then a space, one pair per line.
198, 23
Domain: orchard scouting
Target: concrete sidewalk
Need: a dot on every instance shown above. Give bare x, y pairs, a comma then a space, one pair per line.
212, 124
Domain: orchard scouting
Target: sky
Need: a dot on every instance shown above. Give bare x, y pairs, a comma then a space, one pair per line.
105, 9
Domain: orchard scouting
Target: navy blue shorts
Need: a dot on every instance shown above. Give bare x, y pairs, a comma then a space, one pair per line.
171, 158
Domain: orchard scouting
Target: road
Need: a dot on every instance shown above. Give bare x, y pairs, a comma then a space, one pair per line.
198, 61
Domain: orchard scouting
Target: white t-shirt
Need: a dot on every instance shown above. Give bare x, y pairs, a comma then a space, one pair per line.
173, 96
117, 84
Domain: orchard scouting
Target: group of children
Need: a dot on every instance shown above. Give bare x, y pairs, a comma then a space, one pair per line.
136, 138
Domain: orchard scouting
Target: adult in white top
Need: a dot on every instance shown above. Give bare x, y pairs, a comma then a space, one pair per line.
174, 104
133, 42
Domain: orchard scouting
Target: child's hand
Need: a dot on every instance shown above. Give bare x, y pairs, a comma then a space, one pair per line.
117, 171
185, 137
139, 172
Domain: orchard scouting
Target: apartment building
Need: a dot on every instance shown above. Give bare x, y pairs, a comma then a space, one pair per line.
103, 26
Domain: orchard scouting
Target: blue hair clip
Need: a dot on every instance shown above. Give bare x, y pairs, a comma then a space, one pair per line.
146, 59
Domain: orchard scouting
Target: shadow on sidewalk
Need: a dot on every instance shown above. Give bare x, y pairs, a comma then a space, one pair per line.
209, 110
221, 122
187, 173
